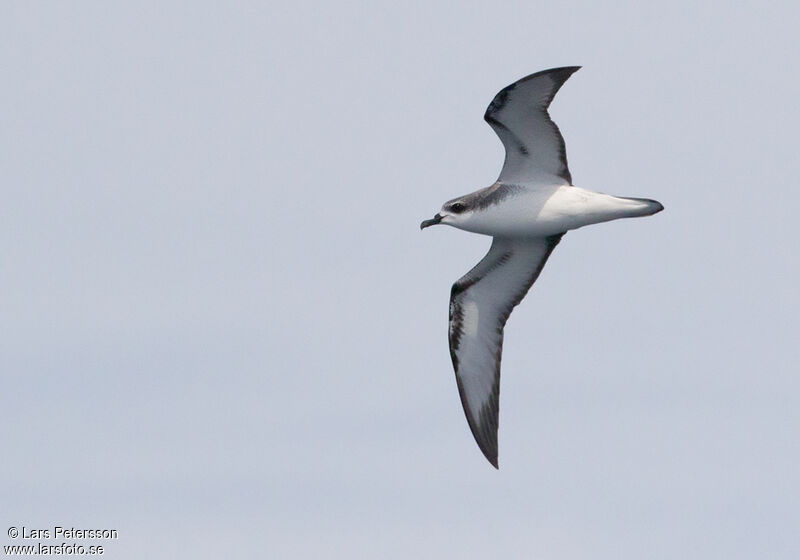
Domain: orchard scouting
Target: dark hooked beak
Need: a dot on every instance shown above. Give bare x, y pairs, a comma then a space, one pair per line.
432, 222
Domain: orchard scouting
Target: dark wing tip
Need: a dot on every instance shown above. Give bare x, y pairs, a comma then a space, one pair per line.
484, 428
486, 440
485, 433
559, 75
492, 458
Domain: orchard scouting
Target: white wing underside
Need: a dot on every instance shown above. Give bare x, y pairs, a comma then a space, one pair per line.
480, 304
535, 150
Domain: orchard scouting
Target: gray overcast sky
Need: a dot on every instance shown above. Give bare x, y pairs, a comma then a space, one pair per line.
223, 332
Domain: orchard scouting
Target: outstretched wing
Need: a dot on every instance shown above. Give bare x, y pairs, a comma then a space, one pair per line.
480, 304
535, 149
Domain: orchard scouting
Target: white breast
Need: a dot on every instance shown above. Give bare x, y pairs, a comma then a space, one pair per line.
544, 211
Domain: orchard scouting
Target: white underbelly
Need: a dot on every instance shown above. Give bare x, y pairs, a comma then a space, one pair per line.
545, 212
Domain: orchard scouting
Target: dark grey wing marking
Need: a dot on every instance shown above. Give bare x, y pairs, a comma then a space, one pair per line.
535, 150
480, 304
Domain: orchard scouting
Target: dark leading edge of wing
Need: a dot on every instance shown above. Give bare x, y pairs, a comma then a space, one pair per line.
480, 304
534, 146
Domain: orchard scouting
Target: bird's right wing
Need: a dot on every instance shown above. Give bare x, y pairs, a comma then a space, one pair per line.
480, 304
535, 149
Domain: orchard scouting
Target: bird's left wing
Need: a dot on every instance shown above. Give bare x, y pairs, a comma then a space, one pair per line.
480, 304
535, 150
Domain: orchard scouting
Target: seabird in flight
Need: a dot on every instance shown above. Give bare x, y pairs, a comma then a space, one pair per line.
527, 211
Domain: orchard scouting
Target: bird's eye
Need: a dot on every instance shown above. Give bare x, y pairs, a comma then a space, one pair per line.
458, 207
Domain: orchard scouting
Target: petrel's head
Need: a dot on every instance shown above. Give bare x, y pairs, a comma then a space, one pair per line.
453, 213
